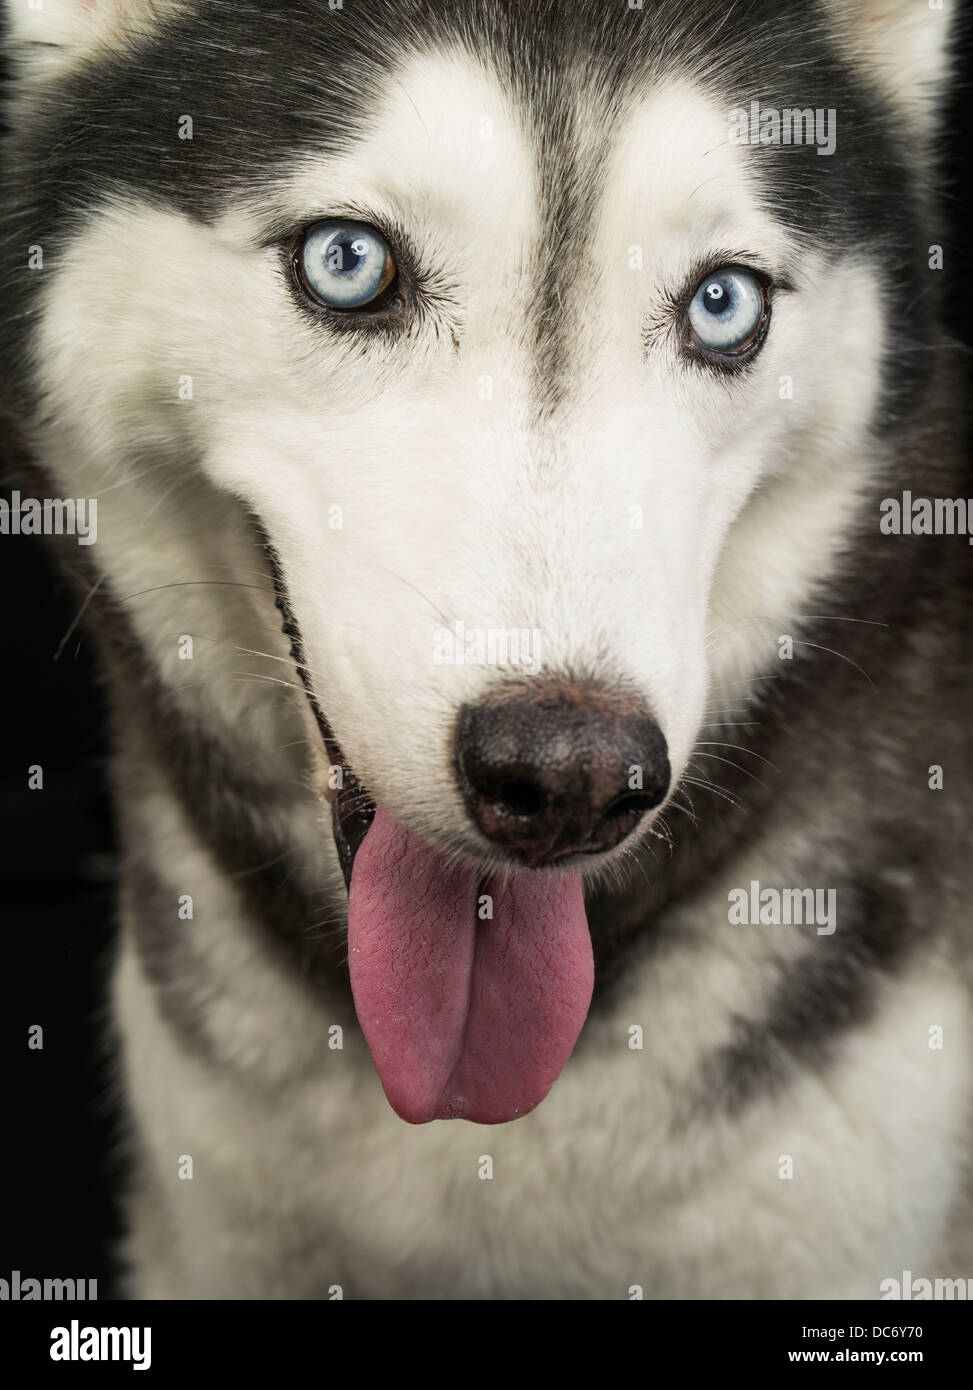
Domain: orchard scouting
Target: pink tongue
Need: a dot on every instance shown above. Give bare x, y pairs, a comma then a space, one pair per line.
465, 1018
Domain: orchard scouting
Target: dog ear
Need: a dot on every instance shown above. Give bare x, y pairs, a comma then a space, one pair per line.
906, 46
43, 35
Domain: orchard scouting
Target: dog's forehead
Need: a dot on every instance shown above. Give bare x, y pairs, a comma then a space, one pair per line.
452, 154
317, 78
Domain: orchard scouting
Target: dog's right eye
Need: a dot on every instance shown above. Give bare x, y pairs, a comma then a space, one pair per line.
728, 311
344, 264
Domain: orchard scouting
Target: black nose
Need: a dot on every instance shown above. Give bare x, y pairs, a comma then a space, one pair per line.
564, 770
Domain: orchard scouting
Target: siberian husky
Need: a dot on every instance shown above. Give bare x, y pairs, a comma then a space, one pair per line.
538, 688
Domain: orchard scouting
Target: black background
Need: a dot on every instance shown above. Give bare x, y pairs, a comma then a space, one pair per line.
61, 1157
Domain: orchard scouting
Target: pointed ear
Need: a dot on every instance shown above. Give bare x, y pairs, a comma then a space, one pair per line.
905, 46
43, 35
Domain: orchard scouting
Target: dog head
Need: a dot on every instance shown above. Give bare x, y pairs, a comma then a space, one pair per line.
546, 349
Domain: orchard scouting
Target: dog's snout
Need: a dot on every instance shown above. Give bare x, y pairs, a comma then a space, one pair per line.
559, 771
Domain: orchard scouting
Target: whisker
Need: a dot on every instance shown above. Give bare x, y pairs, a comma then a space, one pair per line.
736, 766
189, 583
80, 614
840, 655
719, 791
711, 743
676, 806
279, 749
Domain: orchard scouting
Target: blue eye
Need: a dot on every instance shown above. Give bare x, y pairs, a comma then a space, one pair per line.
345, 264
727, 310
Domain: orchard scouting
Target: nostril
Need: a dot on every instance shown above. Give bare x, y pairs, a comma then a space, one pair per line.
520, 798
509, 789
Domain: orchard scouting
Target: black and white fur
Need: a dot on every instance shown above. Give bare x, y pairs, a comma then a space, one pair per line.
486, 460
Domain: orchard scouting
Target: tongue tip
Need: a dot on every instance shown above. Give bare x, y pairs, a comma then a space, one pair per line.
459, 1107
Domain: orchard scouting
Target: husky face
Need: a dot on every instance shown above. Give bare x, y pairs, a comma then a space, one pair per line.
532, 443
528, 431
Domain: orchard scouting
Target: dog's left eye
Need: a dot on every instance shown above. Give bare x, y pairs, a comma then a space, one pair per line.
728, 310
344, 264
